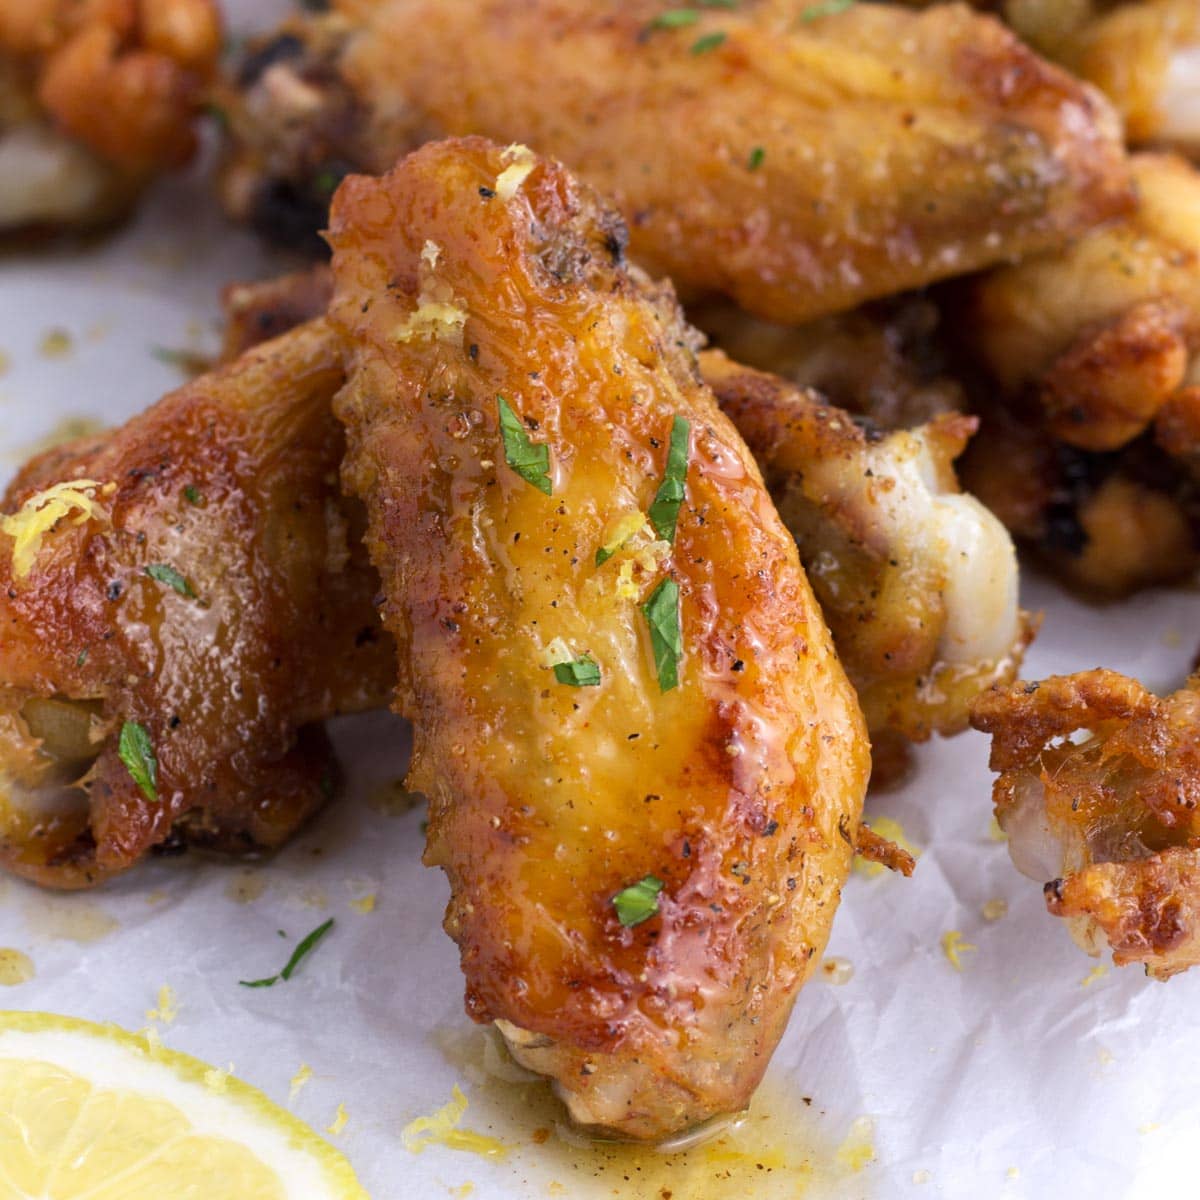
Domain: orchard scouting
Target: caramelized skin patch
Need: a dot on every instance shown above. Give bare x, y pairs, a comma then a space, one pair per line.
739, 789
228, 490
1098, 789
799, 166
918, 581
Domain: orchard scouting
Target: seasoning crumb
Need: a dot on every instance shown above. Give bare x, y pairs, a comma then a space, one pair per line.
339, 1121
16, 967
837, 970
300, 1078
995, 910
1097, 972
891, 829
953, 946
168, 1006
364, 905
1013, 1173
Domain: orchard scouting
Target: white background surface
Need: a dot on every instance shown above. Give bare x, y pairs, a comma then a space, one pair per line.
1009, 1079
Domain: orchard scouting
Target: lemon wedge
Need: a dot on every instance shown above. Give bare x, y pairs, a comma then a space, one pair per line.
92, 1111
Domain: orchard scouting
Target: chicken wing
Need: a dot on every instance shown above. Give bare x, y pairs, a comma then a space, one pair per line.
1092, 431
95, 98
1099, 791
644, 763
163, 591
798, 163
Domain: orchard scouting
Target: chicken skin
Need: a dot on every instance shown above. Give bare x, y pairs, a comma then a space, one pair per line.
96, 97
1091, 441
644, 762
1107, 821
164, 589
797, 163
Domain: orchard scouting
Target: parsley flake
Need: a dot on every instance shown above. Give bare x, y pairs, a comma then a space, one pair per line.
192, 495
305, 948
530, 460
666, 637
136, 751
710, 41
161, 573
583, 671
830, 8
638, 902
664, 512
756, 158
675, 18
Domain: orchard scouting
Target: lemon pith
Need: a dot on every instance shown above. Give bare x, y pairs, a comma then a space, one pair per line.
90, 1112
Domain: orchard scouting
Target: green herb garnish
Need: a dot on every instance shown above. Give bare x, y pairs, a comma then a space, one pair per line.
82, 657
192, 495
664, 512
756, 158
306, 947
136, 751
161, 573
638, 902
666, 637
675, 18
830, 8
579, 672
531, 461
710, 41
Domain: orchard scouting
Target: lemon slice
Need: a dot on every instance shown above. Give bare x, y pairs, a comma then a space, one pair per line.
90, 1111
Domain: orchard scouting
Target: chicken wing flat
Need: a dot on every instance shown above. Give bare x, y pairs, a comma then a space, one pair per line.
163, 591
1098, 791
1092, 437
95, 98
795, 162
917, 580
644, 762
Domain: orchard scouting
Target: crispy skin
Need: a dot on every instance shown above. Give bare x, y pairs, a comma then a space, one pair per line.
918, 582
897, 148
740, 789
95, 98
230, 684
1091, 442
1109, 822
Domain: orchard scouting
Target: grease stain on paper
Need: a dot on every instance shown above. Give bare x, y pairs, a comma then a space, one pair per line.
69, 919
16, 967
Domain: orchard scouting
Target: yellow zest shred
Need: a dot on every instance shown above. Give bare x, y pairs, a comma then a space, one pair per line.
365, 905
441, 1128
300, 1078
953, 946
43, 511
522, 161
620, 529
995, 909
1097, 972
646, 561
888, 828
339, 1121
168, 1006
463, 1191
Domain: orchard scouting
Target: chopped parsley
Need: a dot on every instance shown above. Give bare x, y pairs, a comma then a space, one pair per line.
192, 495
638, 902
531, 461
161, 573
710, 41
305, 948
675, 18
829, 8
664, 512
579, 672
756, 158
136, 751
666, 637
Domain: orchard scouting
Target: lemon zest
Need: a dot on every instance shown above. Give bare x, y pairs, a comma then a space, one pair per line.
885, 827
441, 1128
339, 1121
43, 511
1097, 972
365, 904
300, 1078
953, 946
168, 1006
620, 529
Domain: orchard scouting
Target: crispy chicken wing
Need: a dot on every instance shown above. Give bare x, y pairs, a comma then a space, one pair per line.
644, 763
797, 163
165, 591
1092, 434
96, 96
1099, 791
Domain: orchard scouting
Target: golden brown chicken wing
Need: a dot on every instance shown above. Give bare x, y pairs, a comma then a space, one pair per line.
184, 601
798, 163
1098, 791
644, 762
96, 96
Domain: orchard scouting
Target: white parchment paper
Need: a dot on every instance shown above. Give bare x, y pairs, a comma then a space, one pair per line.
1021, 1075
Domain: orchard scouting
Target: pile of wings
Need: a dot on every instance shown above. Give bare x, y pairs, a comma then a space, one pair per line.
657, 591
